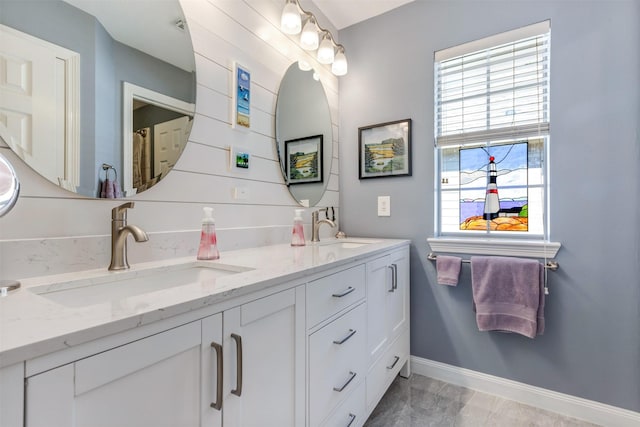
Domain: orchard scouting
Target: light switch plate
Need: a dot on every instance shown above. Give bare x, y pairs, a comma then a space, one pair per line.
384, 205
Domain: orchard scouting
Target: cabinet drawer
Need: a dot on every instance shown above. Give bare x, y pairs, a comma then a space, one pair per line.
330, 294
351, 413
386, 368
336, 353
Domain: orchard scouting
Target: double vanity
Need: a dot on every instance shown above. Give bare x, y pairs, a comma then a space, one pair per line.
267, 336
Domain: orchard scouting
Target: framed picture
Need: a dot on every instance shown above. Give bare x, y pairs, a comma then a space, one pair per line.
385, 149
239, 159
241, 97
304, 160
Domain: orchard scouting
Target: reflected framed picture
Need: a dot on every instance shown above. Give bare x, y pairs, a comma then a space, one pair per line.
304, 160
385, 149
241, 97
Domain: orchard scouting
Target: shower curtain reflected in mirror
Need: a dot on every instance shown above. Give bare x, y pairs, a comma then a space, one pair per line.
142, 159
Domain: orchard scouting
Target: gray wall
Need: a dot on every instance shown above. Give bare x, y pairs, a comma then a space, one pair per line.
591, 347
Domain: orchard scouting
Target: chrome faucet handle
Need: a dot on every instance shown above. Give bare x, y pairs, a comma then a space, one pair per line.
119, 213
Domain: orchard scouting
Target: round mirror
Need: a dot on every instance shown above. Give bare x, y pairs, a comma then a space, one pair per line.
304, 135
9, 186
100, 95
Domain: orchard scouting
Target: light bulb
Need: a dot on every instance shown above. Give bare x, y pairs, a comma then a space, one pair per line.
325, 51
290, 23
309, 37
339, 66
316, 76
303, 65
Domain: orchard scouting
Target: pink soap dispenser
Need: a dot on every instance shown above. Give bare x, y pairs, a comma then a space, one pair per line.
208, 242
297, 235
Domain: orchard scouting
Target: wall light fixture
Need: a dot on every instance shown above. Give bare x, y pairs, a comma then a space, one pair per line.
329, 52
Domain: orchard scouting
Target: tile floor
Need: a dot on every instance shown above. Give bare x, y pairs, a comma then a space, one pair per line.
421, 401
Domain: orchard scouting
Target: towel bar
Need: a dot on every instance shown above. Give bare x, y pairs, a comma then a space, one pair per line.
550, 265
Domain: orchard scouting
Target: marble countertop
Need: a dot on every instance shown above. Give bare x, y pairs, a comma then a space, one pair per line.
32, 325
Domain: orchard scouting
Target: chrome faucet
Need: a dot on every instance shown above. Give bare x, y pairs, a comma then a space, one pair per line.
119, 232
315, 224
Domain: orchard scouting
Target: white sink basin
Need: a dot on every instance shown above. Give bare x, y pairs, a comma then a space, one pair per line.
118, 285
349, 244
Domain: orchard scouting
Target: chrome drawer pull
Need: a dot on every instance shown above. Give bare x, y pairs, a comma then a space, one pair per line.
395, 276
218, 403
352, 418
347, 292
393, 279
394, 363
238, 390
352, 375
349, 335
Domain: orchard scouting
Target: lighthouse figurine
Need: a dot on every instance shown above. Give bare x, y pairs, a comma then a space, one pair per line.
491, 200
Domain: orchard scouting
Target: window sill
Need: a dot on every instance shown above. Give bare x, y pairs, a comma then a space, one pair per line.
479, 246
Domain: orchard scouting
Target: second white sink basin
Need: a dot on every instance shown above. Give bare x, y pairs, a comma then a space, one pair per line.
118, 285
349, 244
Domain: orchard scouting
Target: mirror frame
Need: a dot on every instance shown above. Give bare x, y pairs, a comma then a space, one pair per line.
9, 197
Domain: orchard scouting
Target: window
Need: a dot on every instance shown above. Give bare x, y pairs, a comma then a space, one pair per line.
492, 134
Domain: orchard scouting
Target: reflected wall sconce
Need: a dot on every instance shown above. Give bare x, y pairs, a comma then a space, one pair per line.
313, 37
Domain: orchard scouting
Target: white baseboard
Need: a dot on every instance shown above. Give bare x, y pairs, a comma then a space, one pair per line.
576, 407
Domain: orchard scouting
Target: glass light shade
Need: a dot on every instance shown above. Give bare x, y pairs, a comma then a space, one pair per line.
339, 66
290, 22
303, 65
309, 39
325, 51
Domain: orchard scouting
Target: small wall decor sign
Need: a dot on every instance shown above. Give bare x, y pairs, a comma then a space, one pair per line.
385, 149
242, 97
239, 159
304, 160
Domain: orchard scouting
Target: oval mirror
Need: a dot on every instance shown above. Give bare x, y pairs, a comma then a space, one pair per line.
304, 136
100, 95
9, 186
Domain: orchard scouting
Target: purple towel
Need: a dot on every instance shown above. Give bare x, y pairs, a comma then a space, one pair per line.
448, 269
508, 294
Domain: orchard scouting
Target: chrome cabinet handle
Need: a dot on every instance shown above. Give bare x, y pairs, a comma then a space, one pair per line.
352, 418
395, 276
218, 403
393, 279
347, 292
352, 375
396, 358
238, 390
343, 340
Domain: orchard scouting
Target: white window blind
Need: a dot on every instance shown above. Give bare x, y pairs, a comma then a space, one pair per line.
498, 92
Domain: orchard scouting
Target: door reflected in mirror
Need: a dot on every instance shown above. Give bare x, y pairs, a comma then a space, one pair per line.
302, 114
65, 110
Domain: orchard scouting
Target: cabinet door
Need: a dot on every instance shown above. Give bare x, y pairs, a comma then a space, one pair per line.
398, 300
151, 382
211, 372
387, 301
11, 395
264, 362
379, 287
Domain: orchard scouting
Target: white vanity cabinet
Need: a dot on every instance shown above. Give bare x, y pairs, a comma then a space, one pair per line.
172, 378
318, 349
387, 322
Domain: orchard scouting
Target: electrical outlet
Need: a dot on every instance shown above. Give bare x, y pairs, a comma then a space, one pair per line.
384, 205
240, 193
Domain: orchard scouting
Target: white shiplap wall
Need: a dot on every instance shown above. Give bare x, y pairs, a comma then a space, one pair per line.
51, 230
